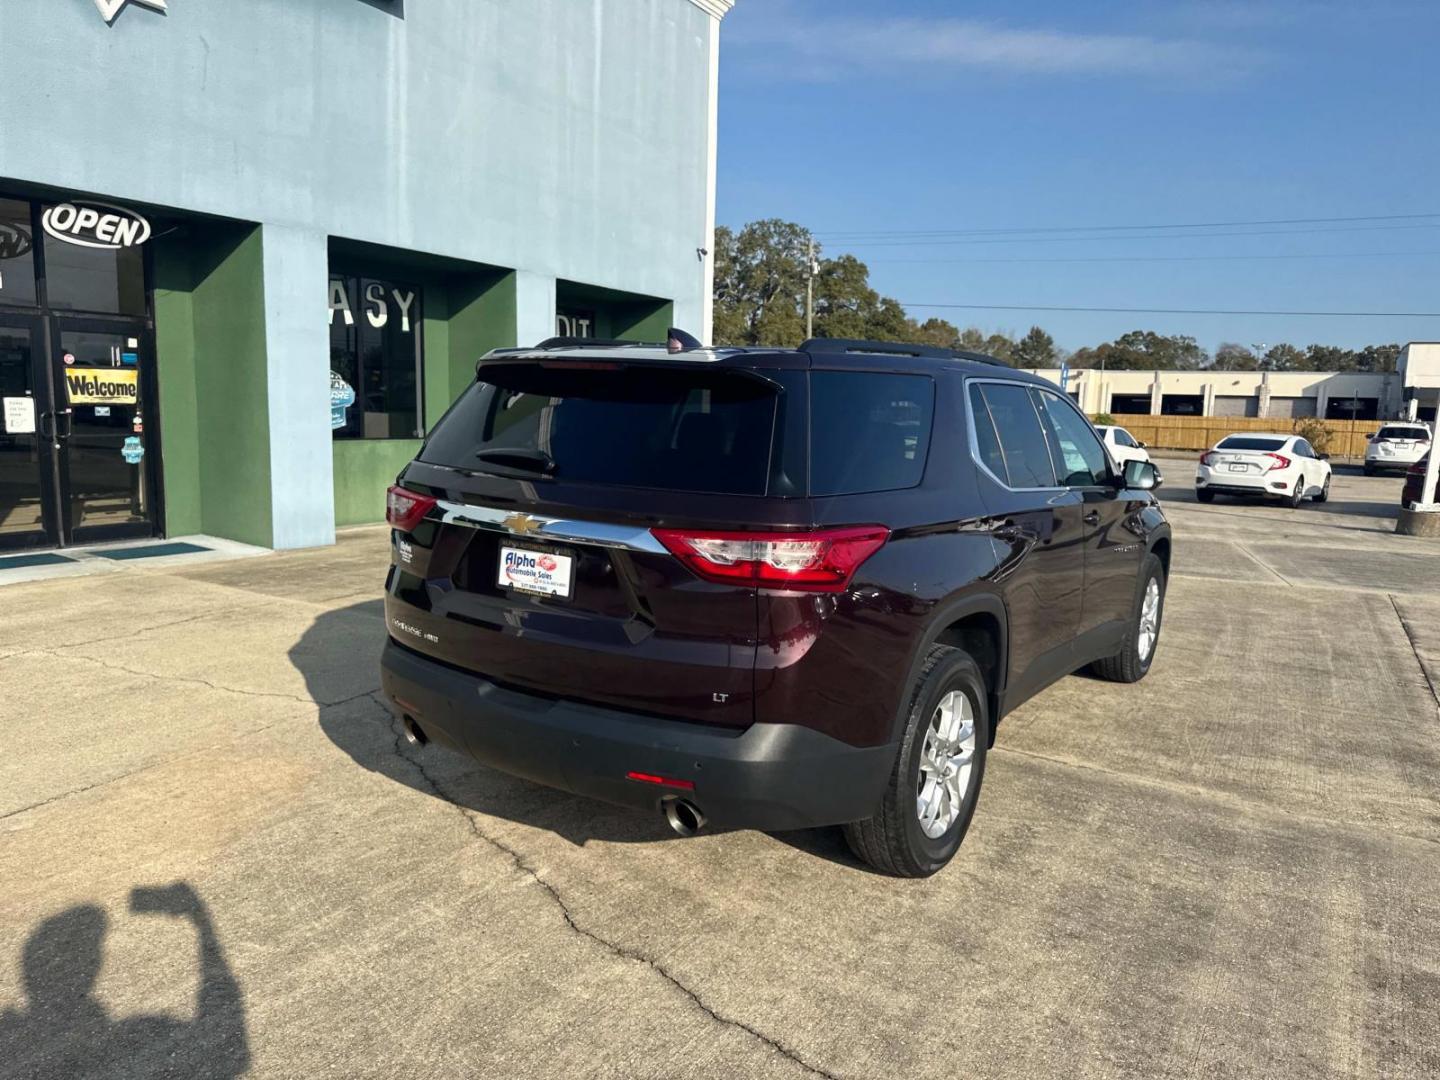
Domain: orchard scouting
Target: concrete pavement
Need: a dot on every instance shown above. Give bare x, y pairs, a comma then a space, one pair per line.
1229, 869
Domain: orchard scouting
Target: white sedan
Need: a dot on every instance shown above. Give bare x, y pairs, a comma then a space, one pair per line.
1276, 466
1122, 445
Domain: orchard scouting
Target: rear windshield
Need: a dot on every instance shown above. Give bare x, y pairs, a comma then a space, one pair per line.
1249, 442
1403, 433
687, 429
679, 430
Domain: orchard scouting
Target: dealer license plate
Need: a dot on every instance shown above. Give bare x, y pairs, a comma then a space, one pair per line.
540, 573
1239, 468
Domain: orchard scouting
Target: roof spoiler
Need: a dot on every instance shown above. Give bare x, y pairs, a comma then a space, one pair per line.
894, 348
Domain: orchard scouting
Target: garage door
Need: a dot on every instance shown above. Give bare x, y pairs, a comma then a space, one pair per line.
1289, 408
1237, 405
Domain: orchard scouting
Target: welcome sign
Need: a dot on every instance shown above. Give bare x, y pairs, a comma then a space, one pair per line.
86, 387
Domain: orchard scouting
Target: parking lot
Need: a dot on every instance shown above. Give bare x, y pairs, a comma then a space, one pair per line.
1229, 869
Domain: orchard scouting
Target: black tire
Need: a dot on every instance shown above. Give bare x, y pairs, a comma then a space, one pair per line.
1369, 469
1324, 495
1298, 495
893, 841
1204, 496
1127, 665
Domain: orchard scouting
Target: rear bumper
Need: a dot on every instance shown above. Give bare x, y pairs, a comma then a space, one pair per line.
769, 776
1241, 483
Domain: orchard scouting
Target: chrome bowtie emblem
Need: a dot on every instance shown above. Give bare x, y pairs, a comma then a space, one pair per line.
110, 8
522, 524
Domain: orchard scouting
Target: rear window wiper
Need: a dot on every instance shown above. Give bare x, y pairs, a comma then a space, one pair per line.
518, 457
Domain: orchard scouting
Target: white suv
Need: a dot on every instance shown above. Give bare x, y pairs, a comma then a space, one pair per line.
1123, 446
1397, 445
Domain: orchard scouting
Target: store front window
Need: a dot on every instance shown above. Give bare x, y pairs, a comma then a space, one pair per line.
17, 254
376, 358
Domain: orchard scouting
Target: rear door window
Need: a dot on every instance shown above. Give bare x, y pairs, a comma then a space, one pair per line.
632, 426
1019, 444
869, 431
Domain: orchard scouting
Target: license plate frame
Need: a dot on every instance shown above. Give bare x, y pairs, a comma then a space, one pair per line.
547, 583
1238, 466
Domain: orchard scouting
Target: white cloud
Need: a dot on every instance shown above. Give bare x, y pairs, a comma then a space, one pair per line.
819, 46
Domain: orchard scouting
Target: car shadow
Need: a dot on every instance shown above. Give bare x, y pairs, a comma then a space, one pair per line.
339, 657
64, 1031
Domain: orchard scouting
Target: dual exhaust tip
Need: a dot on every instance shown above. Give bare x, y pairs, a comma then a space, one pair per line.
683, 816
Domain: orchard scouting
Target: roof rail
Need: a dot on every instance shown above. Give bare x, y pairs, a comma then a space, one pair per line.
593, 343
894, 348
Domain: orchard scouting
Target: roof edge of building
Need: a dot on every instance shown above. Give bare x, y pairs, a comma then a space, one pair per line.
718, 8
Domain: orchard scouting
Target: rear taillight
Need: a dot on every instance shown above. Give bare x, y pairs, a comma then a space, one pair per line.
1205, 457
405, 509
819, 561
1278, 461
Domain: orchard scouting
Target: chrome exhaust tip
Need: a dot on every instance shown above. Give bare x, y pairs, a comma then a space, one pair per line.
413, 733
683, 816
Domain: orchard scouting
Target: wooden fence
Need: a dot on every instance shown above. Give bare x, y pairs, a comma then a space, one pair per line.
1347, 437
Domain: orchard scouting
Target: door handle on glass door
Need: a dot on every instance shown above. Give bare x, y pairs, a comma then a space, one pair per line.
47, 432
65, 414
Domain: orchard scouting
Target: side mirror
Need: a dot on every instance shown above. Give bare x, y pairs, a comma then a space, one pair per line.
1369, 435
1142, 476
1323, 457
1142, 445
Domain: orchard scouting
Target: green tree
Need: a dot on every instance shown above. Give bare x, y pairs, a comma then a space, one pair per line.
1377, 358
1035, 350
1328, 358
1231, 356
1283, 357
1144, 350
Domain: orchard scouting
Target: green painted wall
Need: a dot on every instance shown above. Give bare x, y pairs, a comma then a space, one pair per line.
228, 303
175, 359
364, 468
210, 356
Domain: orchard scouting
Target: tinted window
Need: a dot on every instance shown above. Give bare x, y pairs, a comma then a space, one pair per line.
1303, 448
1123, 438
868, 431
17, 254
635, 426
376, 355
95, 279
1249, 442
1024, 454
1079, 458
1396, 432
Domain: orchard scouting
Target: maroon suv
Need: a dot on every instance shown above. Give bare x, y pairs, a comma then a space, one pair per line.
762, 588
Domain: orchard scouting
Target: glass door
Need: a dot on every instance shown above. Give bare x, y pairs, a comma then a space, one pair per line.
29, 508
106, 463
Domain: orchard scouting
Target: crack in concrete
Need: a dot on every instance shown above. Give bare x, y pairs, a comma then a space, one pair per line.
623, 952
195, 680
1414, 648
1262, 563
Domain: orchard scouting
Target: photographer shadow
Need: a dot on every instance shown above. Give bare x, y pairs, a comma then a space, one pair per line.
66, 1032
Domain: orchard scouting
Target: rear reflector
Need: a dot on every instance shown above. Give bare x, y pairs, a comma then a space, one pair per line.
660, 781
819, 561
405, 509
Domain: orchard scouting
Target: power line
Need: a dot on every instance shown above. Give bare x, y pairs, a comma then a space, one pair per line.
1162, 236
1120, 228
1160, 258
1178, 311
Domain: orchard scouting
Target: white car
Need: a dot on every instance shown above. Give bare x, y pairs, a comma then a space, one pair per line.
1397, 445
1276, 466
1122, 445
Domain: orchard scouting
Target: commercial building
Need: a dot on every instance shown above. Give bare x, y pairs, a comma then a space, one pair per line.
249, 252
1413, 390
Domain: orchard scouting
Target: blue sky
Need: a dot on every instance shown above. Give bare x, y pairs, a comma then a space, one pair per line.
869, 122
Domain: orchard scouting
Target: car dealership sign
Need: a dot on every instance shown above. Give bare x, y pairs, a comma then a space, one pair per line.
110, 8
96, 225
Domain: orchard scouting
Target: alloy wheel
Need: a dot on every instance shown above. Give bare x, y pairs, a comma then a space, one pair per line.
1149, 620
947, 762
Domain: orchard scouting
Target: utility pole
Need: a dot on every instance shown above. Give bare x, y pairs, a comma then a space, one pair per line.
812, 267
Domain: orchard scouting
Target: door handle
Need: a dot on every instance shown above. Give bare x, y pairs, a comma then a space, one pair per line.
47, 418
1092, 518
66, 415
